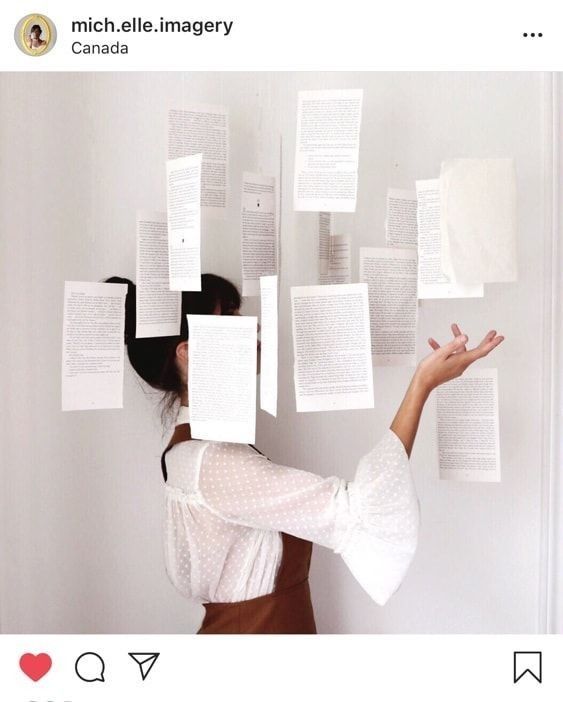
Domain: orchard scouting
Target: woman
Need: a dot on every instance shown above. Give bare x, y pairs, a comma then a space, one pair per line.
34, 40
239, 529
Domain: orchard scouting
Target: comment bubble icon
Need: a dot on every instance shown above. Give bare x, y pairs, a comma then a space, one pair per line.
90, 667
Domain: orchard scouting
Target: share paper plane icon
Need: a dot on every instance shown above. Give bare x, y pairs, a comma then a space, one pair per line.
145, 662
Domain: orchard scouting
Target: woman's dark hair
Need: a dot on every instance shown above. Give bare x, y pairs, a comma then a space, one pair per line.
154, 358
36, 26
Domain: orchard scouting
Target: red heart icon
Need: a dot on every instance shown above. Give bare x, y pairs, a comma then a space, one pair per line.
35, 666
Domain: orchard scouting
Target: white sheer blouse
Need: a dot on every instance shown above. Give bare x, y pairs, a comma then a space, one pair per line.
226, 505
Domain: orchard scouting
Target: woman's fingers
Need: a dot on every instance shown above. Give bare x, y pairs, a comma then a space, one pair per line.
490, 342
456, 331
459, 345
456, 345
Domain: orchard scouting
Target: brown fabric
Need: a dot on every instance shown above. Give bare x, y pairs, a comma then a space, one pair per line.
287, 610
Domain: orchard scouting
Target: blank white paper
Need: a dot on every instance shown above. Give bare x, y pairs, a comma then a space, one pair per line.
93, 345
400, 222
327, 148
390, 274
432, 281
222, 377
269, 344
258, 231
184, 222
339, 269
468, 427
331, 347
158, 308
203, 129
478, 201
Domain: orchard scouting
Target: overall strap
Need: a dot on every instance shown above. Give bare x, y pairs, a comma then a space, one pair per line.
181, 433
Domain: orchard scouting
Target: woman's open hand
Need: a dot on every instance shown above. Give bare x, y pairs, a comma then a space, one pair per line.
451, 360
443, 364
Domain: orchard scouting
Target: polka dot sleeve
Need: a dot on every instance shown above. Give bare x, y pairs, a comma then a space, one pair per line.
372, 521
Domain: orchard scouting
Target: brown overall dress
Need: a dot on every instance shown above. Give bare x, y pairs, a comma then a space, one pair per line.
287, 610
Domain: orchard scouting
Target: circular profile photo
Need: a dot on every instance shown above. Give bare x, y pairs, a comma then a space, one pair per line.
35, 35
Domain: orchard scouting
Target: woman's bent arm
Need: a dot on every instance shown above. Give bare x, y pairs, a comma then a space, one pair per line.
443, 364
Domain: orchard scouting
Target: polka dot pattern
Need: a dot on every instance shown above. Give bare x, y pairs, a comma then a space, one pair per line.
226, 505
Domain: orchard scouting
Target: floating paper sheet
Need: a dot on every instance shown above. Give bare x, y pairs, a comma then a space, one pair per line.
478, 202
327, 147
432, 282
222, 377
325, 231
390, 275
400, 223
331, 346
339, 261
258, 231
269, 344
184, 222
158, 307
468, 427
93, 345
203, 129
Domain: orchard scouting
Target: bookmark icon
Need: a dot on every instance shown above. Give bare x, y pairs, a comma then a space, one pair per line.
145, 661
527, 663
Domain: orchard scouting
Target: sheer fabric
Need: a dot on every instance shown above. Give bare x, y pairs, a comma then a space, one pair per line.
226, 505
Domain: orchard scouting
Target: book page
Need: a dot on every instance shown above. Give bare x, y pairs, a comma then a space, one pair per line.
339, 268
93, 345
478, 217
468, 427
331, 346
258, 231
158, 308
325, 231
203, 129
390, 274
432, 282
184, 222
400, 223
222, 377
327, 148
268, 349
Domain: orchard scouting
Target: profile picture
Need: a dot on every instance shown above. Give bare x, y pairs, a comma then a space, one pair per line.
35, 35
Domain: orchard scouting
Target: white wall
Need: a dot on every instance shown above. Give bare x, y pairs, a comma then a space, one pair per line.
82, 492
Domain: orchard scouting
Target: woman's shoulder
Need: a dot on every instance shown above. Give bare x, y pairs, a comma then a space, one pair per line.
224, 451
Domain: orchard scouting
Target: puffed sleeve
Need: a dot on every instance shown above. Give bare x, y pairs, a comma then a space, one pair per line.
371, 521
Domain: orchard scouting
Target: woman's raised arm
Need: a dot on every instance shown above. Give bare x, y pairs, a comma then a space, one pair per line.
443, 364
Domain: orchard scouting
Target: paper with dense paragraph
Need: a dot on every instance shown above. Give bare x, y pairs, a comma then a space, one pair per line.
325, 231
432, 281
390, 274
327, 150
258, 231
222, 377
468, 427
183, 177
204, 129
400, 221
339, 269
93, 345
158, 309
332, 347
